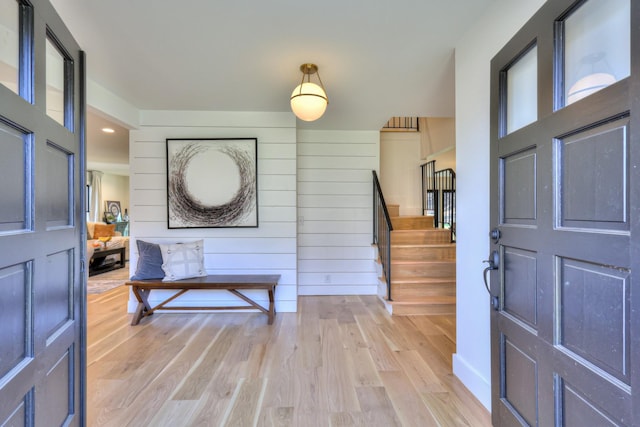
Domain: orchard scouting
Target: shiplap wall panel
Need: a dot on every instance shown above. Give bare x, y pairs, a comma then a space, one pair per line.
159, 229
192, 120
330, 188
332, 252
275, 182
252, 246
356, 279
335, 227
279, 166
336, 240
335, 200
149, 149
354, 150
160, 133
336, 162
333, 175
270, 248
151, 181
147, 197
335, 212
318, 214
323, 265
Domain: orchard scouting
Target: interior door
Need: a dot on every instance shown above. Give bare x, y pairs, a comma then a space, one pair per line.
41, 224
565, 210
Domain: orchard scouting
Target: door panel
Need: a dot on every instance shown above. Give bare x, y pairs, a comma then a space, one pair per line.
520, 298
42, 286
519, 180
564, 339
602, 341
594, 179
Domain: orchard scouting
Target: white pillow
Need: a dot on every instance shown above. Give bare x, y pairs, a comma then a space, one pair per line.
183, 260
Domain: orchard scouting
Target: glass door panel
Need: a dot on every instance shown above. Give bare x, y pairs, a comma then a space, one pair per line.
10, 44
596, 47
522, 91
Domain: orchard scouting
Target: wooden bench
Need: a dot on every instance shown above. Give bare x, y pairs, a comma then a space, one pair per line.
232, 283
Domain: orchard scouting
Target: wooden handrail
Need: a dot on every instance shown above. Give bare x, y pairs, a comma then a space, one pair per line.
382, 228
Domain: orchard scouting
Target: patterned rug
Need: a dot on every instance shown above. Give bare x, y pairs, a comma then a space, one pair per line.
107, 281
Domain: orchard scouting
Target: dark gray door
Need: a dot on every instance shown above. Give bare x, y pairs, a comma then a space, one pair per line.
41, 219
565, 164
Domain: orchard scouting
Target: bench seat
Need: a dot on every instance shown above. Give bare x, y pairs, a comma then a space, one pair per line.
230, 282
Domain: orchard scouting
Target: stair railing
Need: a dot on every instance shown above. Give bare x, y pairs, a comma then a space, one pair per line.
382, 231
439, 196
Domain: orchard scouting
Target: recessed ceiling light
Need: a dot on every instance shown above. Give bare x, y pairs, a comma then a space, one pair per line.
108, 130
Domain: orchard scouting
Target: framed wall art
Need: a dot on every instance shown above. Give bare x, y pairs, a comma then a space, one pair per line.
212, 182
112, 210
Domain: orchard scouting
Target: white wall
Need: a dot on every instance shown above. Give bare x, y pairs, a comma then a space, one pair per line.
438, 135
445, 159
116, 187
268, 249
335, 212
400, 173
472, 361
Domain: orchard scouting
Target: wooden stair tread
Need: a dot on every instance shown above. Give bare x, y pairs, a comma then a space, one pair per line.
419, 308
418, 231
435, 300
422, 280
410, 261
423, 272
422, 245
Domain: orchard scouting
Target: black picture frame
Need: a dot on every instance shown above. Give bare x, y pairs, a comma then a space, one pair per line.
113, 207
212, 182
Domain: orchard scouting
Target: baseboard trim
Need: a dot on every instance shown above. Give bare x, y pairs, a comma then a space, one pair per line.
471, 378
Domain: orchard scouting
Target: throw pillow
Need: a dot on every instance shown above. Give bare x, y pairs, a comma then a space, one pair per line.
104, 230
149, 261
90, 227
183, 260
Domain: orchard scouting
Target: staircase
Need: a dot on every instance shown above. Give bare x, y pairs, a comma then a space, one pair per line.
423, 267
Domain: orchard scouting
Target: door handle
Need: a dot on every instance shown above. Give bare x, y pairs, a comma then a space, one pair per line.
494, 264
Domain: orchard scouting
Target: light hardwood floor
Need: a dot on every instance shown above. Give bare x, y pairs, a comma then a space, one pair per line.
339, 361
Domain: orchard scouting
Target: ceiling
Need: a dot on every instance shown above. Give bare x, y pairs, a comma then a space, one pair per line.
377, 59
107, 152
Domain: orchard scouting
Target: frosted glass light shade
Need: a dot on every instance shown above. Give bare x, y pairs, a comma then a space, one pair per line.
588, 85
308, 101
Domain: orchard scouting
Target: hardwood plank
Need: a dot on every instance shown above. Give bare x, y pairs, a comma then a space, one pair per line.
377, 407
173, 413
245, 409
276, 417
380, 352
335, 375
359, 362
199, 377
410, 408
339, 361
157, 394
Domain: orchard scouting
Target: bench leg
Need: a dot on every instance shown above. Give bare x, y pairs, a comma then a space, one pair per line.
143, 309
138, 315
272, 307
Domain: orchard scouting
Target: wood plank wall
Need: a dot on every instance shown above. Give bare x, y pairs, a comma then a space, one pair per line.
270, 248
335, 212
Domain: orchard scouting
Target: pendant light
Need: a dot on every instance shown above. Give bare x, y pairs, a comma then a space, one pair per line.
309, 100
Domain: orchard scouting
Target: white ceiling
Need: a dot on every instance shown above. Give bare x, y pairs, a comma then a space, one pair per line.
377, 59
106, 152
